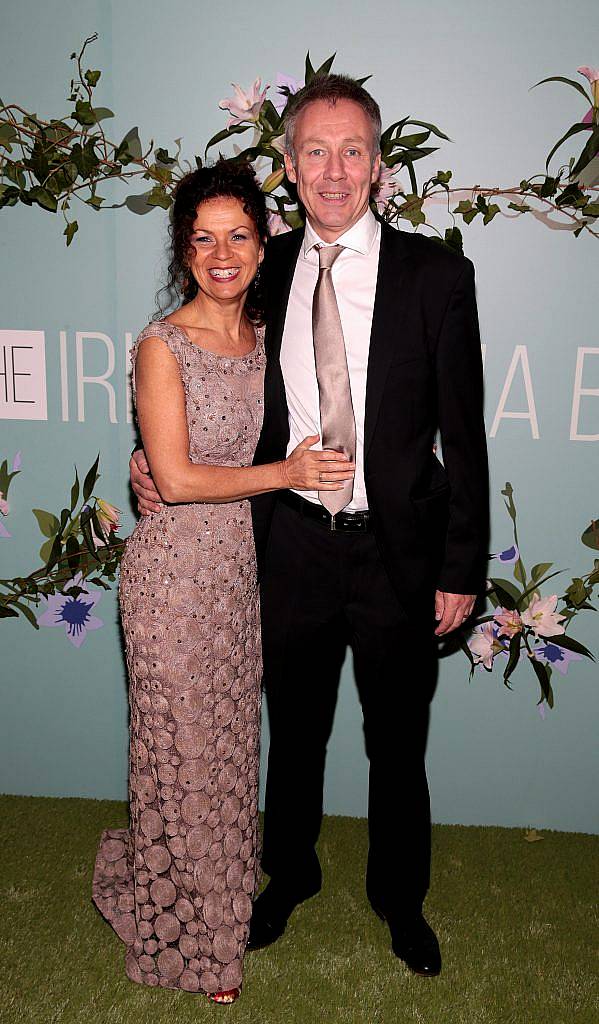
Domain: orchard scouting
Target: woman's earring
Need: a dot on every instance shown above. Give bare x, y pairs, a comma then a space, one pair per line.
257, 276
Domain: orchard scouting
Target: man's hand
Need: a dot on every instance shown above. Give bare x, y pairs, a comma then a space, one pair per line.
451, 610
148, 498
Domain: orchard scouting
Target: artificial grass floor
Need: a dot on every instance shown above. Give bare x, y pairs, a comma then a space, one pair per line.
514, 920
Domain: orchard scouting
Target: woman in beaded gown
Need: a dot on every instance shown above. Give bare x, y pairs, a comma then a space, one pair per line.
177, 886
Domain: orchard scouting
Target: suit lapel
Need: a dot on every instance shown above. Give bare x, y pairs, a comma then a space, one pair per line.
388, 310
283, 255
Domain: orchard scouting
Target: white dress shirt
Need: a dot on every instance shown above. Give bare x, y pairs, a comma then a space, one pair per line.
354, 278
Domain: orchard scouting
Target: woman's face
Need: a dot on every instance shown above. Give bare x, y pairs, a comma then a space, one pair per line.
225, 249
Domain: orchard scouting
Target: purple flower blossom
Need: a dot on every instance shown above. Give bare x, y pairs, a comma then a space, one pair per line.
556, 657
282, 81
508, 557
16, 463
74, 613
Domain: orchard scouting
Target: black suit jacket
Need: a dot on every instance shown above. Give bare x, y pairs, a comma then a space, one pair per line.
424, 373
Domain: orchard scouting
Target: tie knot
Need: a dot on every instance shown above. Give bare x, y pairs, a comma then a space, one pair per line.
327, 255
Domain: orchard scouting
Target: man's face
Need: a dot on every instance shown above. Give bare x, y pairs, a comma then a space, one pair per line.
334, 165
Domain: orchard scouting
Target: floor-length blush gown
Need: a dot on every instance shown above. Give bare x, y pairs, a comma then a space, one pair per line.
177, 886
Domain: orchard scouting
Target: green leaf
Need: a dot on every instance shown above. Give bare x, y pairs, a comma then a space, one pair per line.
590, 537
411, 141
6, 612
90, 479
95, 201
75, 492
235, 129
48, 523
83, 113
513, 657
507, 594
27, 612
326, 66
92, 78
589, 152
574, 130
567, 81
45, 550
543, 674
89, 541
8, 134
73, 554
539, 570
520, 207
163, 157
70, 231
309, 70
569, 644
431, 127
453, 238
130, 148
101, 114
491, 212
43, 198
158, 197
412, 210
139, 204
591, 210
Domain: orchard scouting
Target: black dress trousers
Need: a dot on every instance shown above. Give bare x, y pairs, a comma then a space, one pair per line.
323, 590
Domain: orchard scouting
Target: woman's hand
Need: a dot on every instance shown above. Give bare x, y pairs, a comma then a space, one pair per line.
306, 470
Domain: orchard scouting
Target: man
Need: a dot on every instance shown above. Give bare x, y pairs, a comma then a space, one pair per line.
372, 342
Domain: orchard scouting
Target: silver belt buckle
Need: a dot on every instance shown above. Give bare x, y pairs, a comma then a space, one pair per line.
333, 527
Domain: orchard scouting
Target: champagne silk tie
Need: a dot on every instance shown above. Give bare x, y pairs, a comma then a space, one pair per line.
337, 422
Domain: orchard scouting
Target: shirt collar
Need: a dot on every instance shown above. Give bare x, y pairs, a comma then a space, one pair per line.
360, 237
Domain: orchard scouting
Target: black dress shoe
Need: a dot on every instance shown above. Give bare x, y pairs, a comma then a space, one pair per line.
414, 942
270, 915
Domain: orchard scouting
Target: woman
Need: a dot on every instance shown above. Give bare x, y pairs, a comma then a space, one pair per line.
177, 886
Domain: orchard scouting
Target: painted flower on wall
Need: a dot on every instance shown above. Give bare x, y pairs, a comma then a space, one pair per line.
286, 86
557, 657
245, 106
6, 477
74, 613
509, 622
276, 224
387, 186
541, 616
4, 510
508, 557
482, 644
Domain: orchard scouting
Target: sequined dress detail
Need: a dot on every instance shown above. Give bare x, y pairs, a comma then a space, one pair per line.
177, 886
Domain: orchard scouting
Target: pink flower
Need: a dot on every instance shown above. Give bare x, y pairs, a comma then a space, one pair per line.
386, 187
276, 224
109, 518
592, 74
542, 617
482, 644
245, 106
510, 623
285, 81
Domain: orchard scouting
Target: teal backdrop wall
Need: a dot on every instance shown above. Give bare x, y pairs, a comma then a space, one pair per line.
466, 67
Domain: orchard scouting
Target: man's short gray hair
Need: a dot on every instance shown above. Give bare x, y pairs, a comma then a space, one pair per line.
331, 88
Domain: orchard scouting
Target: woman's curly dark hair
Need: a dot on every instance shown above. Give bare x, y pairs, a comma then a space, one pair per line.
224, 178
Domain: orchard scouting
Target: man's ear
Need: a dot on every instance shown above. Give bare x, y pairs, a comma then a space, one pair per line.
290, 169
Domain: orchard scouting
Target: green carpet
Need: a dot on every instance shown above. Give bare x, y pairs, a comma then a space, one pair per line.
514, 920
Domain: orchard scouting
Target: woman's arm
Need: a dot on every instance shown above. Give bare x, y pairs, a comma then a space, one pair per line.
163, 423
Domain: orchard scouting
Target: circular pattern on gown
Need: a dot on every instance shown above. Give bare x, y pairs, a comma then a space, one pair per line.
190, 616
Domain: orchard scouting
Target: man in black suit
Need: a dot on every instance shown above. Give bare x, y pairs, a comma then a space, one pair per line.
400, 565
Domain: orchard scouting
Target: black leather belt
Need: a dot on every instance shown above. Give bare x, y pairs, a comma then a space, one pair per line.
345, 522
